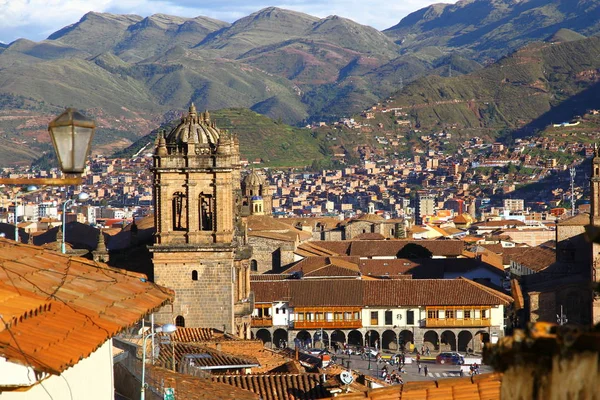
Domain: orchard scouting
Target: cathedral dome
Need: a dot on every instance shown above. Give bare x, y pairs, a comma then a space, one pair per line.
254, 179
194, 128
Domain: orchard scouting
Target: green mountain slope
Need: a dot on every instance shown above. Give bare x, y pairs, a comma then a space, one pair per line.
491, 28
508, 94
277, 144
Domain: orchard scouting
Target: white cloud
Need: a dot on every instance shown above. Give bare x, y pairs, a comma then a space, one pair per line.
36, 19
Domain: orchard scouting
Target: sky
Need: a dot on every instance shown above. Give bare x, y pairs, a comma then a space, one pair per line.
37, 19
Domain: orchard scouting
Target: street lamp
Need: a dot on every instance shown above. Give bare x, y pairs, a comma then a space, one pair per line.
167, 328
72, 134
30, 188
82, 197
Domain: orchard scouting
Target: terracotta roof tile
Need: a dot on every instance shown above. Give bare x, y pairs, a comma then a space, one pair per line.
386, 292
278, 386
534, 258
192, 388
187, 335
72, 305
480, 387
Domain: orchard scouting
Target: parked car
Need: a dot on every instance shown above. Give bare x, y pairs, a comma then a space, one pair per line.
450, 357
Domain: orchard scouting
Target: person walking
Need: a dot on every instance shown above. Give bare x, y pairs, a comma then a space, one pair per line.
419, 366
425, 370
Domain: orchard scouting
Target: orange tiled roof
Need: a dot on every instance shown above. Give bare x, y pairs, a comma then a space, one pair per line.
187, 335
386, 292
480, 387
60, 309
189, 387
278, 386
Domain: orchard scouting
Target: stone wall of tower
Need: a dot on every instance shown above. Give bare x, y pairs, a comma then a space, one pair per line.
206, 301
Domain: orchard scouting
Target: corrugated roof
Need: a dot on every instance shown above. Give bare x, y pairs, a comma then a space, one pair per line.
203, 357
60, 309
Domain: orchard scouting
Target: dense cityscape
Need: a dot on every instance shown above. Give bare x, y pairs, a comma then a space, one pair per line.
438, 239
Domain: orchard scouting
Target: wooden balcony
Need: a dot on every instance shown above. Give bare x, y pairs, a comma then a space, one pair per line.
452, 322
264, 321
339, 324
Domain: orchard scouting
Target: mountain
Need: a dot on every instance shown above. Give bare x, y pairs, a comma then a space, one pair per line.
130, 72
536, 85
486, 29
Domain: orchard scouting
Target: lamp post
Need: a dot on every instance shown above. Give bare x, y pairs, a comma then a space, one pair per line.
15, 200
71, 133
81, 196
167, 328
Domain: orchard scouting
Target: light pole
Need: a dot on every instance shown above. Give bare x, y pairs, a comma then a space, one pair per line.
81, 196
167, 328
562, 317
15, 200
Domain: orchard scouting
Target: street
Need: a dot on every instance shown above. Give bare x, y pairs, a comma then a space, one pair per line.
435, 371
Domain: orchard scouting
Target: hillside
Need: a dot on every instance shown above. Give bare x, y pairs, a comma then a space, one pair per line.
484, 29
276, 143
130, 72
517, 92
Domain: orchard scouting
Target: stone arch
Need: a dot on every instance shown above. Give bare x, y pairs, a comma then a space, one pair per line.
321, 342
355, 338
180, 321
253, 265
464, 341
389, 340
194, 275
280, 338
480, 339
178, 211
372, 337
406, 339
303, 339
264, 335
448, 339
338, 338
430, 339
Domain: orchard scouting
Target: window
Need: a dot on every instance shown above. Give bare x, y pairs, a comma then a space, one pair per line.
178, 205
356, 315
337, 316
194, 275
388, 317
300, 317
374, 318
253, 265
484, 314
449, 314
180, 321
347, 316
432, 314
206, 205
467, 314
410, 317
329, 316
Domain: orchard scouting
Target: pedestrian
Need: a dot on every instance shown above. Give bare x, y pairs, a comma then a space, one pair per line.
403, 359
418, 356
425, 370
419, 366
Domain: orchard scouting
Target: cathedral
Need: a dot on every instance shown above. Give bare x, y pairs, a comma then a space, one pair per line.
200, 247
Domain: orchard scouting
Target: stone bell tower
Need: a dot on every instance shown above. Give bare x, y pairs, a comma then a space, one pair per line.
199, 248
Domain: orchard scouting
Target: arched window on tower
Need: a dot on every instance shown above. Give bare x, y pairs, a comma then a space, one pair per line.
206, 204
194, 275
180, 321
178, 206
253, 265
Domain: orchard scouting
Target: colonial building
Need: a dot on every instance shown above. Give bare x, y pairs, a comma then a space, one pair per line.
199, 248
384, 313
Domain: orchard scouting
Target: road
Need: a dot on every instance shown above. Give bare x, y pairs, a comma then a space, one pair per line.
435, 371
